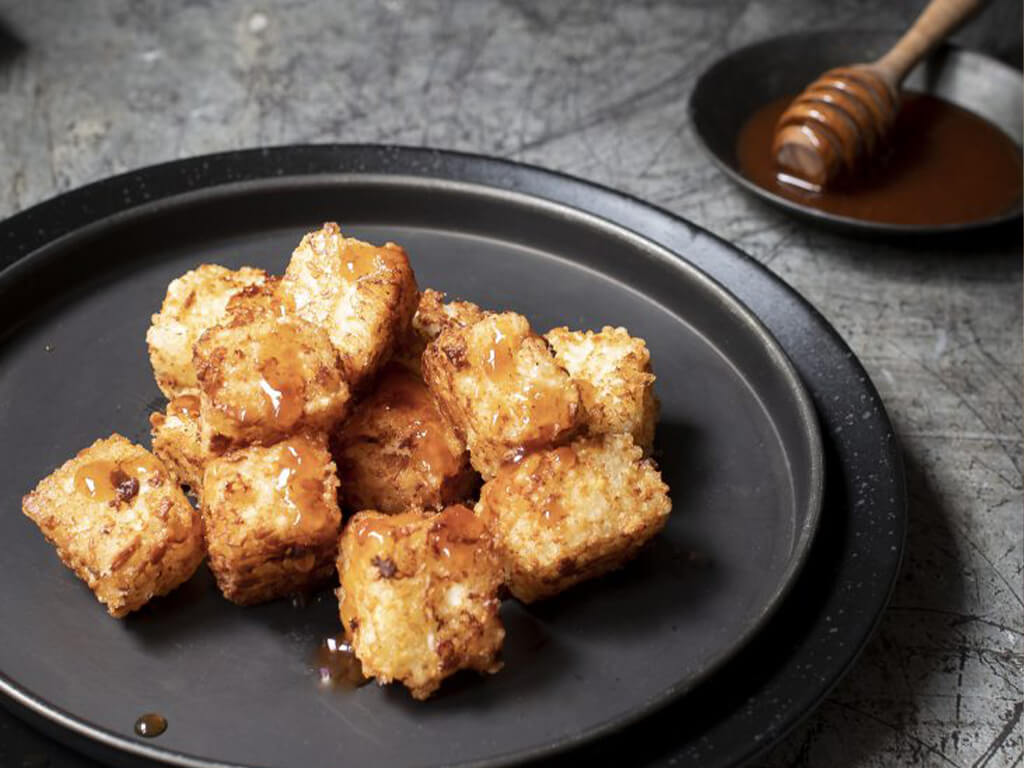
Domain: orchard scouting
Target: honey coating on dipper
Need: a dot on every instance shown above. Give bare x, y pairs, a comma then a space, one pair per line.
940, 165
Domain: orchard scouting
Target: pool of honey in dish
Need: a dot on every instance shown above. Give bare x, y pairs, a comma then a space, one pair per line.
940, 165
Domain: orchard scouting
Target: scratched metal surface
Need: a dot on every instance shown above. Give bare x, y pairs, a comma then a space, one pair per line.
599, 89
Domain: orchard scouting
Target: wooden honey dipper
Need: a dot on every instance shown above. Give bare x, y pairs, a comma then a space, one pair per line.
841, 118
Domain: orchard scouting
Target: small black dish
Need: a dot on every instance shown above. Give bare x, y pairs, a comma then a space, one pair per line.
736, 85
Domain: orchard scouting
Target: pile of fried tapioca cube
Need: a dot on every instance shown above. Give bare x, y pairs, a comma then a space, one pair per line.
337, 421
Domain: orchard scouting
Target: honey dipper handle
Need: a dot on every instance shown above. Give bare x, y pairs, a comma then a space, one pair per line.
938, 20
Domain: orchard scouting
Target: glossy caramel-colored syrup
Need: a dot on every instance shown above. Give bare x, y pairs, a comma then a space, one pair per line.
336, 664
371, 528
532, 403
499, 356
142, 466
360, 259
101, 480
299, 480
940, 164
150, 724
458, 537
282, 384
400, 390
185, 405
96, 480
540, 469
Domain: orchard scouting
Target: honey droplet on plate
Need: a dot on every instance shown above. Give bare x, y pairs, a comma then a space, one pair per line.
150, 724
336, 664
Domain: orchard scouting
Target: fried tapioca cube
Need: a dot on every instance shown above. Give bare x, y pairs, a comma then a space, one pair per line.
571, 513
263, 298
398, 452
613, 372
177, 441
434, 314
419, 596
119, 520
363, 295
264, 374
502, 389
271, 518
194, 302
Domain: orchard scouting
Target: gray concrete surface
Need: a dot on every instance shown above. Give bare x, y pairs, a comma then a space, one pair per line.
599, 89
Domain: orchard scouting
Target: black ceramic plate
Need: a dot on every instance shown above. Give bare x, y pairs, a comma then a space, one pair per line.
761, 72
738, 444
223, 654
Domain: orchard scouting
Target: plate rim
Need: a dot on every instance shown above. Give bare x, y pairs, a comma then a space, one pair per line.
862, 227
420, 168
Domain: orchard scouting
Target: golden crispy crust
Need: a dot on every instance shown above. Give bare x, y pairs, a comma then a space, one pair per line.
271, 518
569, 514
432, 316
177, 442
264, 374
419, 596
194, 302
501, 388
398, 452
363, 295
120, 522
613, 372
